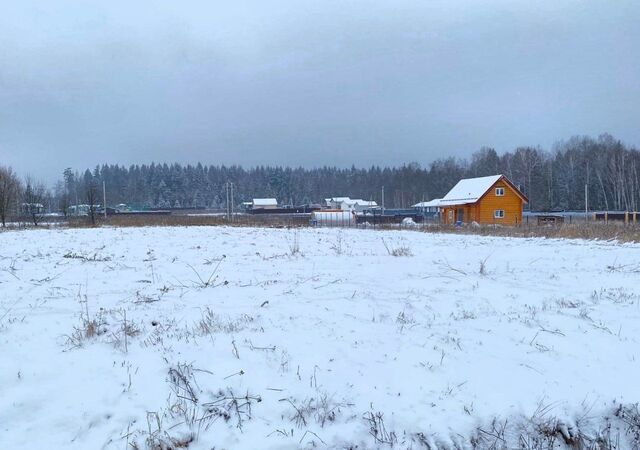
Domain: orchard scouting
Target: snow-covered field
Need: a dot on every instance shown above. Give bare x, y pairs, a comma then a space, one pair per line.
241, 338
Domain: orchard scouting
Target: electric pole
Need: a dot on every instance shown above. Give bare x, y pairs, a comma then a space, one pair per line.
226, 186
104, 198
232, 201
229, 192
586, 202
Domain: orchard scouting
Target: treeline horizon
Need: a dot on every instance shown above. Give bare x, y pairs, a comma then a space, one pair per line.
551, 179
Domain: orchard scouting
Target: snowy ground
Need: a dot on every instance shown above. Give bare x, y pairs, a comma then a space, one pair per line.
240, 338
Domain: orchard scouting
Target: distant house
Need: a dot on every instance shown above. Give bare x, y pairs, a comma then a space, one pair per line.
82, 210
245, 206
432, 206
349, 204
32, 208
485, 200
335, 202
264, 203
358, 205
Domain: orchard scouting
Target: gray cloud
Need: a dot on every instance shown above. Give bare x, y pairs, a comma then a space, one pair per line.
310, 83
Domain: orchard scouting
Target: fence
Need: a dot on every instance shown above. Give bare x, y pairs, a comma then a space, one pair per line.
342, 220
546, 218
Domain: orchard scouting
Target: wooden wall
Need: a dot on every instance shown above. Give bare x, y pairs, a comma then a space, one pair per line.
511, 203
483, 210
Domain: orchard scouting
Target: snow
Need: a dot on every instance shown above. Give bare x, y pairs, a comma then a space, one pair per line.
365, 203
316, 334
360, 202
431, 203
408, 222
264, 202
349, 203
469, 190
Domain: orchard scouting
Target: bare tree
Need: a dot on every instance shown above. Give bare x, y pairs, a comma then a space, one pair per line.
484, 162
33, 198
63, 198
526, 162
9, 189
92, 198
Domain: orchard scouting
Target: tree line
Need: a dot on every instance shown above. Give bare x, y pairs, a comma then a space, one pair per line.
552, 180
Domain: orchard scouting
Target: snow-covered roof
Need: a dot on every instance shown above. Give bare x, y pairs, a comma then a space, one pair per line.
265, 202
369, 203
359, 201
429, 204
469, 190
351, 201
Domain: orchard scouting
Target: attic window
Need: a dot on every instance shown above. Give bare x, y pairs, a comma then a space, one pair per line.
500, 191
498, 214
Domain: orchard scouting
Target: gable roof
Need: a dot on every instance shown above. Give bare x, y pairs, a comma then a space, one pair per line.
430, 203
369, 203
351, 201
470, 190
265, 202
359, 201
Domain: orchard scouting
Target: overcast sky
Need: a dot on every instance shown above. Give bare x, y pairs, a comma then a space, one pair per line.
309, 82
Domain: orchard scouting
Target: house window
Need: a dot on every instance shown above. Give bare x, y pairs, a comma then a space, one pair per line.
498, 213
500, 192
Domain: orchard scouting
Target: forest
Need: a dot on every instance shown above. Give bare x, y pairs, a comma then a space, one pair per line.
552, 179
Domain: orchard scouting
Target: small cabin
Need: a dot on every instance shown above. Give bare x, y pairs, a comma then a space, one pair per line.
264, 203
349, 204
484, 200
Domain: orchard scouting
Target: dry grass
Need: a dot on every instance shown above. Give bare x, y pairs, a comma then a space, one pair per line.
589, 230
280, 221
86, 331
401, 250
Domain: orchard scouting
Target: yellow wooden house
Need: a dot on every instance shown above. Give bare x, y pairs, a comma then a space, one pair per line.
485, 200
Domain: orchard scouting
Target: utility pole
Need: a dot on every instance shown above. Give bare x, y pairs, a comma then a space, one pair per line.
383, 200
226, 186
229, 192
424, 217
232, 200
104, 198
586, 202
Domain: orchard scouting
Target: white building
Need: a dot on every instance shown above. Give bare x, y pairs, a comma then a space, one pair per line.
335, 202
264, 203
349, 204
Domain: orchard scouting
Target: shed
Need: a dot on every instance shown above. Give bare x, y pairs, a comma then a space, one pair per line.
264, 203
485, 200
